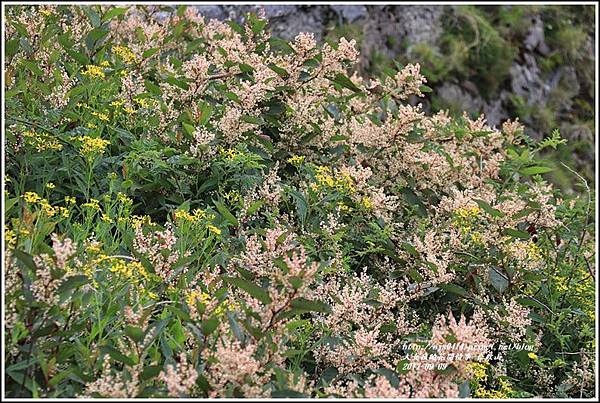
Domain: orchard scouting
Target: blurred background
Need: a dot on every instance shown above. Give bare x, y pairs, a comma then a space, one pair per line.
535, 62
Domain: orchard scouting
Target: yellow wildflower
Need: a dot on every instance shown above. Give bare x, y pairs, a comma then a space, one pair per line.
184, 215
93, 71
64, 212
476, 238
367, 203
124, 199
199, 214
70, 200
467, 212
50, 185
42, 141
117, 103
533, 251
124, 53
93, 247
214, 229
296, 160
533, 356
106, 218
10, 237
93, 204
48, 209
129, 110
197, 296
104, 63
143, 102
102, 116
91, 146
31, 197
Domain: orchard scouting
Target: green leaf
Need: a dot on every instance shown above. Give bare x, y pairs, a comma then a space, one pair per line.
280, 71
117, 355
233, 96
454, 289
150, 372
9, 203
72, 282
409, 248
489, 209
425, 89
25, 258
256, 24
287, 393
535, 170
209, 325
189, 129
135, 333
515, 233
254, 207
177, 332
150, 52
78, 57
94, 37
178, 83
498, 280
279, 44
230, 218
92, 15
345, 82
251, 288
206, 111
310, 306
12, 47
301, 205
114, 12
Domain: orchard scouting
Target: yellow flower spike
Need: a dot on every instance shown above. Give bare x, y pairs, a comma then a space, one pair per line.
93, 204
214, 229
102, 116
10, 237
50, 185
93, 71
104, 63
199, 214
129, 110
143, 102
367, 203
91, 146
48, 209
104, 217
70, 200
296, 160
124, 199
31, 197
184, 215
124, 53
42, 141
117, 103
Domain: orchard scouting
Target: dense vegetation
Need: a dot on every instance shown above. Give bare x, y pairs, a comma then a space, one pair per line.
535, 62
196, 208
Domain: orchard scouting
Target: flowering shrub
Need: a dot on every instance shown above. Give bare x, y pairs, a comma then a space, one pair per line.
196, 209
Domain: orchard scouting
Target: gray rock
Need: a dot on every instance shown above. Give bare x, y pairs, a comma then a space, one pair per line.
458, 99
535, 37
350, 13
210, 12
